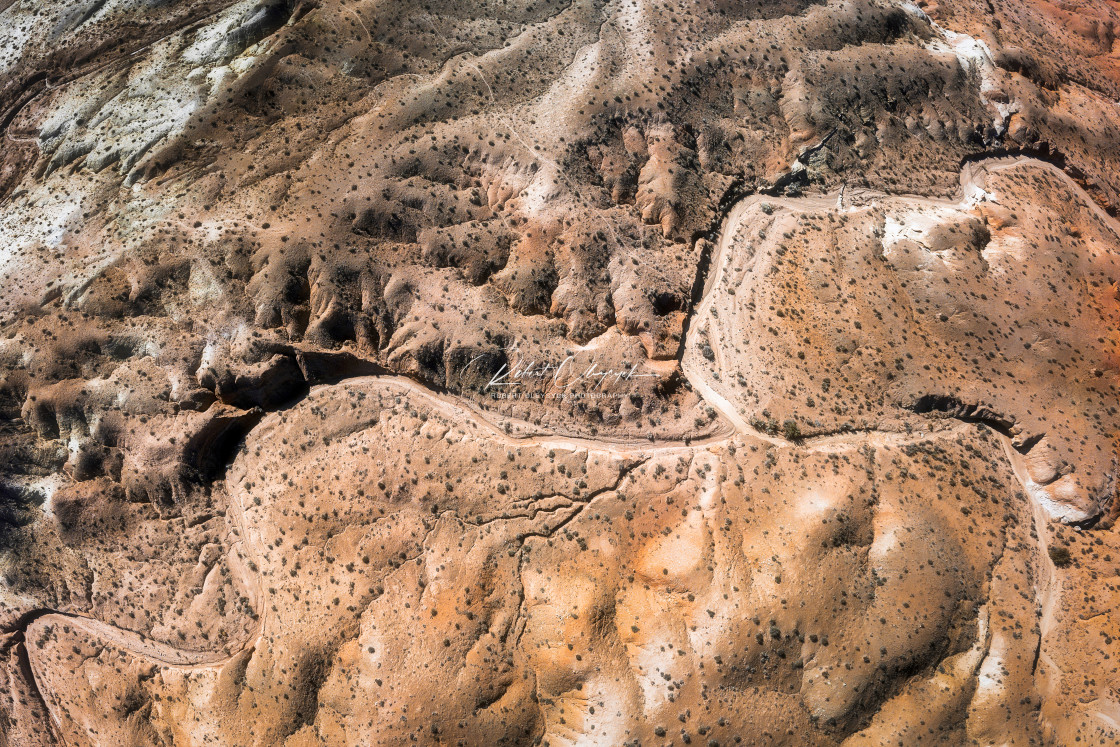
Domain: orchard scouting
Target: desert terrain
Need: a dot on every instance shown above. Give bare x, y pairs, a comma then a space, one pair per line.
628, 372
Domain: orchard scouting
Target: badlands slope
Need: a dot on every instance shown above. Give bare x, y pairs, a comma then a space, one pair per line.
567, 373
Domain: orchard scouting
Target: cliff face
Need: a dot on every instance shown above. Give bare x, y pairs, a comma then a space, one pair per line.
587, 373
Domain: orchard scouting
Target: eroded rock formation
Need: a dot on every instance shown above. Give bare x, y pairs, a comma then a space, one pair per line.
604, 373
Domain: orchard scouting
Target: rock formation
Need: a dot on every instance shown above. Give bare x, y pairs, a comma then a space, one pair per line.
640, 372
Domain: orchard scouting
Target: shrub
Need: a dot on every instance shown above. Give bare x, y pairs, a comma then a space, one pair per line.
1061, 557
